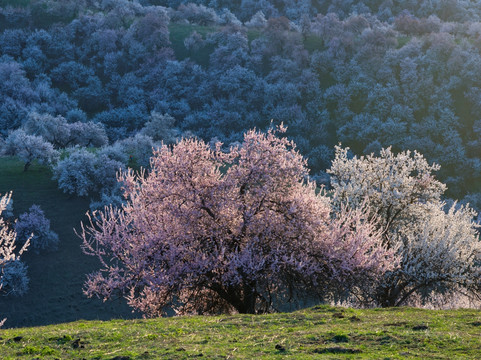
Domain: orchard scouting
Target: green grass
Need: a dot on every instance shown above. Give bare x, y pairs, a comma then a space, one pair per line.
57, 277
313, 43
403, 40
253, 34
321, 332
178, 33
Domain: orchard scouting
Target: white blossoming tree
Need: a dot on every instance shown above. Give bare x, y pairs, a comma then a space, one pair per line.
13, 276
29, 148
439, 248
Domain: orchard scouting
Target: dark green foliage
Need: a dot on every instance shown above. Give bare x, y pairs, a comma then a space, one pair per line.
20, 3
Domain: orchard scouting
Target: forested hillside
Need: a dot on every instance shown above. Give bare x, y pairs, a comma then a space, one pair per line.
402, 77
90, 87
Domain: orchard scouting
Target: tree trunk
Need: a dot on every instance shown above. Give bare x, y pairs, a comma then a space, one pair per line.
243, 299
27, 165
249, 303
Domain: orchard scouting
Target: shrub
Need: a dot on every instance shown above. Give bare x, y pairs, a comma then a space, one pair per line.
75, 173
14, 280
258, 20
160, 128
35, 226
84, 172
138, 148
61, 134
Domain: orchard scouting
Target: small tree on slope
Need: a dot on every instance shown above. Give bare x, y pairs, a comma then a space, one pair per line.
34, 226
439, 250
209, 231
29, 148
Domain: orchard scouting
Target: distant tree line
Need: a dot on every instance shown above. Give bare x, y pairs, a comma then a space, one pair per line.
385, 10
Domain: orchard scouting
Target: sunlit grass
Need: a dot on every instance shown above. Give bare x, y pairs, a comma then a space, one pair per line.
321, 332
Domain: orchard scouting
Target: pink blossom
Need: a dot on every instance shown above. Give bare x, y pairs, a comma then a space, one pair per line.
207, 231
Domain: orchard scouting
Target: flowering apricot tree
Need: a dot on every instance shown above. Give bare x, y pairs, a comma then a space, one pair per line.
211, 231
390, 183
438, 246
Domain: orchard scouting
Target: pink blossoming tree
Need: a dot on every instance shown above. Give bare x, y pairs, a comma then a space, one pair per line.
207, 231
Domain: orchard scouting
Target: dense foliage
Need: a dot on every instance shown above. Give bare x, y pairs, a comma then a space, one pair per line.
459, 10
368, 74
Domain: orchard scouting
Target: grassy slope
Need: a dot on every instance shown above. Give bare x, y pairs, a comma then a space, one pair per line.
56, 278
321, 332
178, 33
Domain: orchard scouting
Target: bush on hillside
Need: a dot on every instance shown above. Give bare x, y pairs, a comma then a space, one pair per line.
84, 173
35, 226
29, 148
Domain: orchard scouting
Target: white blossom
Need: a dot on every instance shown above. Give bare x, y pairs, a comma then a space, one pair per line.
439, 249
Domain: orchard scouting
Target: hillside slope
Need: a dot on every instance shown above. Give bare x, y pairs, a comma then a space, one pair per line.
321, 332
56, 278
